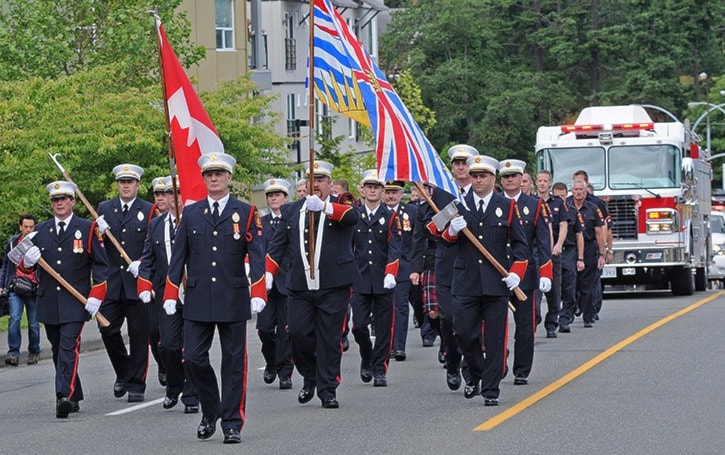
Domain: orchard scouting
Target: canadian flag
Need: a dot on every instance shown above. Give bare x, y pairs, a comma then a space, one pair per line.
192, 132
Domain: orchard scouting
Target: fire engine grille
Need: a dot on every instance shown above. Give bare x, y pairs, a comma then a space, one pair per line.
624, 218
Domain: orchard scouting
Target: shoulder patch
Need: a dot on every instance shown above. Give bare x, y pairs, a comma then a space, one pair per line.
346, 199
257, 219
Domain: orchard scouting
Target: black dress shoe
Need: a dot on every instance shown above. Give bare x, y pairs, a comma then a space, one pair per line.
428, 343
135, 397
285, 383
119, 389
76, 407
330, 403
232, 436
207, 427
564, 329
588, 325
521, 380
551, 334
306, 394
488, 401
162, 379
366, 374
268, 376
453, 378
169, 402
399, 355
470, 390
380, 381
191, 409
63, 407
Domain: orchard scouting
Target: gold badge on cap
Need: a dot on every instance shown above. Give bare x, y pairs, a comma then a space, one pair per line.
212, 157
56, 186
499, 212
507, 164
125, 168
526, 210
477, 159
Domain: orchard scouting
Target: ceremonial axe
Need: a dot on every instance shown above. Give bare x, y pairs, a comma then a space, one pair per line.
16, 255
449, 212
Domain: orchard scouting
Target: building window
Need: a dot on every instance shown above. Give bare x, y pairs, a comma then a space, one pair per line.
290, 43
293, 128
224, 12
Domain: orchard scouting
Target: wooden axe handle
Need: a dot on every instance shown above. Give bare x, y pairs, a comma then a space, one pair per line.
517, 291
44, 264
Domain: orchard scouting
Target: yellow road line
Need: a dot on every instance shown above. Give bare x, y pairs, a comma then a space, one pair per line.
561, 382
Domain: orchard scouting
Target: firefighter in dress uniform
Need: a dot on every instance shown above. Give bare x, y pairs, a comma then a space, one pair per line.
531, 212
479, 292
128, 218
152, 279
215, 237
72, 246
158, 209
272, 321
317, 302
376, 244
407, 214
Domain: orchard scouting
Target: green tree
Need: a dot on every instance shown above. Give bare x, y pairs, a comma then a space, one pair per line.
59, 38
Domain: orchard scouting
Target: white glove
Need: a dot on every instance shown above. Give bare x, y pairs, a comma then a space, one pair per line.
133, 268
268, 280
512, 281
257, 304
93, 305
457, 225
314, 203
145, 296
170, 306
389, 281
32, 256
544, 284
102, 225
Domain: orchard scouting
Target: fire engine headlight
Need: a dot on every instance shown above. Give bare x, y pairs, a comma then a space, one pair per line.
661, 221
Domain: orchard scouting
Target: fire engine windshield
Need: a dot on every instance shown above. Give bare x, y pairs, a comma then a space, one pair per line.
562, 163
644, 166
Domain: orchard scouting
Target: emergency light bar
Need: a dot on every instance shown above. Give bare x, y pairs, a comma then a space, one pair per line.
613, 127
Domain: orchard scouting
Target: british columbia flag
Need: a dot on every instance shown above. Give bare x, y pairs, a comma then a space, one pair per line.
348, 80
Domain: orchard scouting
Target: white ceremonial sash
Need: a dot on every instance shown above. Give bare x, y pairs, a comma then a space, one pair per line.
312, 285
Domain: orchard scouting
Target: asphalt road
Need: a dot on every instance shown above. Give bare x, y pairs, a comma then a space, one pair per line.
625, 386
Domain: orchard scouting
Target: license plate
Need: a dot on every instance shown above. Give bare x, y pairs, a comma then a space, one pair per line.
609, 272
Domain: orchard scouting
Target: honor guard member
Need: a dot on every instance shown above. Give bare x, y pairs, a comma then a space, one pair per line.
593, 229
72, 246
559, 221
128, 218
272, 321
317, 302
530, 211
446, 254
215, 237
159, 208
479, 292
407, 214
376, 244
151, 286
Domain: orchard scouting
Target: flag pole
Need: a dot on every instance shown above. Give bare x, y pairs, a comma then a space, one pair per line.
169, 142
311, 123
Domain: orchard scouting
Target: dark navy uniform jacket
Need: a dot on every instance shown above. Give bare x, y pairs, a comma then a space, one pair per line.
376, 243
532, 213
407, 215
268, 228
445, 252
337, 265
77, 256
217, 288
502, 234
130, 231
154, 260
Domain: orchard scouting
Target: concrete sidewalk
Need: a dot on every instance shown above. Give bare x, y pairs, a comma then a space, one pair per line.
90, 341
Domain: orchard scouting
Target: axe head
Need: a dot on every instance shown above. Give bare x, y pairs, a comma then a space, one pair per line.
17, 253
446, 214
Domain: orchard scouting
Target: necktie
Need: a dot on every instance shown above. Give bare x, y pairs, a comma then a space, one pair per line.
215, 212
480, 207
461, 190
61, 228
125, 210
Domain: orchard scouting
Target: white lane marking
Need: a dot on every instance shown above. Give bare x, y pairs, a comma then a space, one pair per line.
135, 408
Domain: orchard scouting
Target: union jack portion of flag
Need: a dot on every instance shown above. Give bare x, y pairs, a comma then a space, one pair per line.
344, 72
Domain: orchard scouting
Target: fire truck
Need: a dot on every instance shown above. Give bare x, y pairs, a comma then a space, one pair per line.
655, 181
